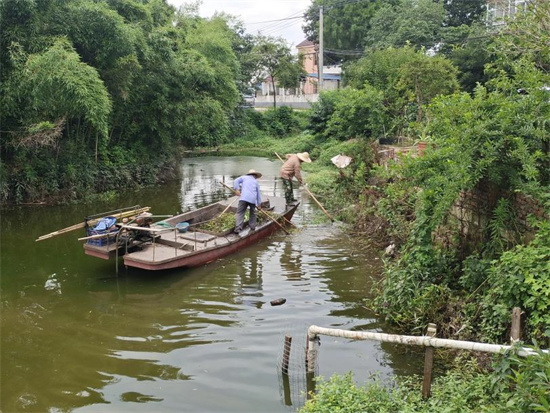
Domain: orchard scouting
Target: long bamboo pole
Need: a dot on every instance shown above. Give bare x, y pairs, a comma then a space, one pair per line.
311, 195
426, 341
259, 209
97, 236
318, 203
229, 206
281, 159
92, 222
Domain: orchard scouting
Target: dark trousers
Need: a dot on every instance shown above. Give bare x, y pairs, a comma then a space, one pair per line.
239, 220
289, 190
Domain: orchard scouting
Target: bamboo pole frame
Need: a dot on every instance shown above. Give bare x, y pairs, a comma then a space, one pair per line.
92, 222
427, 341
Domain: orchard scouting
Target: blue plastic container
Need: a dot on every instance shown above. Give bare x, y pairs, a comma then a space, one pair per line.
182, 226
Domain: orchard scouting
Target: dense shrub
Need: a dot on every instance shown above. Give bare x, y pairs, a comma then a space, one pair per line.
520, 278
518, 384
280, 121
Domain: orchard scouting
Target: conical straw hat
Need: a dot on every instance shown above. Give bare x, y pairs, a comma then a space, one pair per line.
253, 172
304, 157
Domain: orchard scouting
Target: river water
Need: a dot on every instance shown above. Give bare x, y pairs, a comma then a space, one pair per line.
77, 337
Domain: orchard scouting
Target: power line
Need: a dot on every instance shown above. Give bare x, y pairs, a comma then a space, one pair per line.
277, 25
278, 20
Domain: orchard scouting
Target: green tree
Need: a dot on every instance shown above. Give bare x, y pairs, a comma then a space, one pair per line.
527, 36
468, 48
463, 12
243, 45
408, 79
346, 24
358, 113
104, 40
56, 84
136, 74
275, 60
424, 78
526, 41
213, 40
415, 22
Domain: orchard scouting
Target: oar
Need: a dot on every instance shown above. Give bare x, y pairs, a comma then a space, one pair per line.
92, 222
261, 210
313, 196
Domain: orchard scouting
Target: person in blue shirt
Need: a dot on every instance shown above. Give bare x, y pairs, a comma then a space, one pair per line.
248, 190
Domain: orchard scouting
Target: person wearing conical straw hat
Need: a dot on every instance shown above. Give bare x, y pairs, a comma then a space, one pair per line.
292, 168
248, 190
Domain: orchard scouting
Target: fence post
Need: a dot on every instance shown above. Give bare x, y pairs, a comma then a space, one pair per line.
515, 333
311, 352
428, 363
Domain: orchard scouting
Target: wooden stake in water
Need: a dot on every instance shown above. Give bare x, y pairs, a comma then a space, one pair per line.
286, 353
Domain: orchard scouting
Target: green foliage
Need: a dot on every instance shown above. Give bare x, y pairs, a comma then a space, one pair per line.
335, 187
280, 121
518, 384
415, 288
467, 390
262, 145
415, 22
520, 278
478, 143
212, 39
464, 12
492, 144
341, 394
127, 74
406, 80
346, 25
379, 68
133, 12
274, 58
421, 80
220, 224
98, 33
468, 48
357, 114
56, 84
527, 36
523, 381
349, 113
322, 110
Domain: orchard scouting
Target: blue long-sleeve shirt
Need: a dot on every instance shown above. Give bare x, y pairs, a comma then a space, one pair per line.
250, 189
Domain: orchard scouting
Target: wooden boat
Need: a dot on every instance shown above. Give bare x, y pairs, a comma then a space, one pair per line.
163, 245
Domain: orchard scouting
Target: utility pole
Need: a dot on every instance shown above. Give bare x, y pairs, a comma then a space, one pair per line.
320, 58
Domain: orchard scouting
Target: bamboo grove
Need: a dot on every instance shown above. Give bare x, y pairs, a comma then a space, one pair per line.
100, 95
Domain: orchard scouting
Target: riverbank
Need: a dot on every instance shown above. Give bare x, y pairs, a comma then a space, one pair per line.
381, 205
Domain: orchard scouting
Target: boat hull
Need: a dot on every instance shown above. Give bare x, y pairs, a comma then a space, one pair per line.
204, 256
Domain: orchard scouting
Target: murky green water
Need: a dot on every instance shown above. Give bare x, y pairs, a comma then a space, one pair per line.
77, 337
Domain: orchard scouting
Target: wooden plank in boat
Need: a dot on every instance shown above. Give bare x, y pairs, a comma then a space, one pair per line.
199, 236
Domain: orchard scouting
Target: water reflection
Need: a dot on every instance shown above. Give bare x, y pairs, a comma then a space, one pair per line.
77, 338
291, 261
251, 282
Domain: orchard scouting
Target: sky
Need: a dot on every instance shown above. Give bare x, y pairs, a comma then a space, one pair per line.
259, 15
